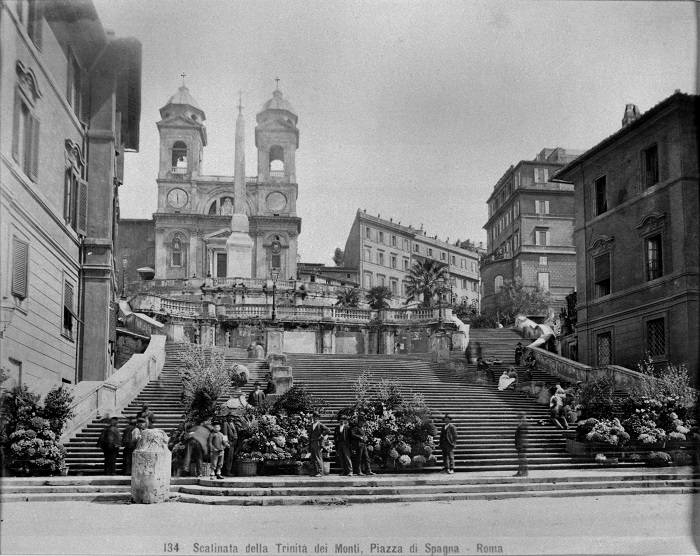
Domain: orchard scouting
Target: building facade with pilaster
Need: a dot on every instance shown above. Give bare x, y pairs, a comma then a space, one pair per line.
70, 107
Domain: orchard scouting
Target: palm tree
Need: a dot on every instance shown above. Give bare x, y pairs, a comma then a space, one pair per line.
378, 298
349, 298
422, 281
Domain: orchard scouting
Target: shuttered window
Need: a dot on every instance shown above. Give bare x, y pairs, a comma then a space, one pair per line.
82, 208
113, 313
20, 268
68, 310
34, 22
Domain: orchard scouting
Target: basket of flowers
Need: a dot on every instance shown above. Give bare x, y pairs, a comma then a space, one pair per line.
247, 463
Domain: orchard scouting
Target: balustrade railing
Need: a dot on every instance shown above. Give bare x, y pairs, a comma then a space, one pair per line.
350, 313
248, 311
277, 174
178, 170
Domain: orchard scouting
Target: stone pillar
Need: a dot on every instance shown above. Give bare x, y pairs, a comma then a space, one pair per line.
150, 471
440, 347
327, 340
389, 341
281, 372
274, 340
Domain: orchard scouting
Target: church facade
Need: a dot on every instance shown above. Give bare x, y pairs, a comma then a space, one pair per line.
194, 217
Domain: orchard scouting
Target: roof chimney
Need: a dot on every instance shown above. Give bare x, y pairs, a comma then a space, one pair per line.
631, 114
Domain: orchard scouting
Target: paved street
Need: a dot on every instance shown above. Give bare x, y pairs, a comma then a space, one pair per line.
641, 524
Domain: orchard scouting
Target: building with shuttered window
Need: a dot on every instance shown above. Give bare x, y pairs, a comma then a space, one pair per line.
70, 107
530, 230
636, 236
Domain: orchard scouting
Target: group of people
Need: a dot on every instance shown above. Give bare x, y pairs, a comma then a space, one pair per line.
110, 440
350, 446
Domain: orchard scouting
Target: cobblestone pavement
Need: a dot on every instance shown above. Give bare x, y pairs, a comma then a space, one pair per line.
638, 524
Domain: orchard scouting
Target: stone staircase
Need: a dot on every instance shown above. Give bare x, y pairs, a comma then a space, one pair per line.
498, 343
336, 490
485, 417
163, 397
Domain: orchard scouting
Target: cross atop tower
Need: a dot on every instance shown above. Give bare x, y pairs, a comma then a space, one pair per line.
240, 101
277, 79
183, 74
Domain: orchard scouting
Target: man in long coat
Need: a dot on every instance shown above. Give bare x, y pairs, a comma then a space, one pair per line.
448, 441
317, 432
342, 446
521, 444
360, 455
109, 443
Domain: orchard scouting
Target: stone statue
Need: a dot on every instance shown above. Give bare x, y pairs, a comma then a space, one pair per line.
227, 207
228, 339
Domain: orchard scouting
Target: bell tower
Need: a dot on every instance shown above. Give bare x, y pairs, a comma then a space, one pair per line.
277, 139
182, 137
275, 225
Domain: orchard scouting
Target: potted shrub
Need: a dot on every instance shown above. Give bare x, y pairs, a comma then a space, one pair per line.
419, 462
247, 464
595, 436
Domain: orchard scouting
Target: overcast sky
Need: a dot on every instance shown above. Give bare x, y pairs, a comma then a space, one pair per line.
412, 110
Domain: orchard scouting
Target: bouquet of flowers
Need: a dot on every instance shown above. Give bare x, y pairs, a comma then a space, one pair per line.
608, 432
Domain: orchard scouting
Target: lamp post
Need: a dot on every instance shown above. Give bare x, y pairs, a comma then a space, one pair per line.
274, 274
124, 262
440, 289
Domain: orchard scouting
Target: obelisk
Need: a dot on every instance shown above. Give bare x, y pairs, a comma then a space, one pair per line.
239, 245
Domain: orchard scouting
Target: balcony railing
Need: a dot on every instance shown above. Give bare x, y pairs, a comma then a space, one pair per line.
276, 174
178, 170
251, 179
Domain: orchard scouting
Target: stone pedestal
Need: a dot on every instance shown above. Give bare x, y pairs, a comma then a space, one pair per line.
239, 248
440, 347
327, 341
150, 471
281, 372
274, 338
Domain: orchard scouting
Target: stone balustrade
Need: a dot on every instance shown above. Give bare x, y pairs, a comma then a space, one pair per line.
103, 398
573, 371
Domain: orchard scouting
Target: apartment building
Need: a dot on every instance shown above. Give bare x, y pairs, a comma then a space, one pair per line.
530, 229
384, 251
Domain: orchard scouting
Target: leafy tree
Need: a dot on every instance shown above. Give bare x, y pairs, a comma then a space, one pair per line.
349, 298
422, 281
339, 257
378, 298
514, 298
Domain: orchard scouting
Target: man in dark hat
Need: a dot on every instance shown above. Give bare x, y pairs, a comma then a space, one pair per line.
129, 445
271, 387
521, 444
146, 414
518, 353
341, 437
360, 455
317, 432
448, 441
228, 428
257, 396
109, 442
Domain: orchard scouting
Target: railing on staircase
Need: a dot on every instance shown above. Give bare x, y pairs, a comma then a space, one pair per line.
93, 398
625, 379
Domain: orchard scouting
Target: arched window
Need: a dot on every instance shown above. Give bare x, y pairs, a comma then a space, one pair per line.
498, 283
277, 161
276, 253
176, 250
179, 158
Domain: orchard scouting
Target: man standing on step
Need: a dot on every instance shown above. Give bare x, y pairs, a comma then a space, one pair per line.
518, 353
317, 433
342, 445
231, 434
521, 443
146, 414
448, 441
360, 456
129, 445
257, 396
109, 442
